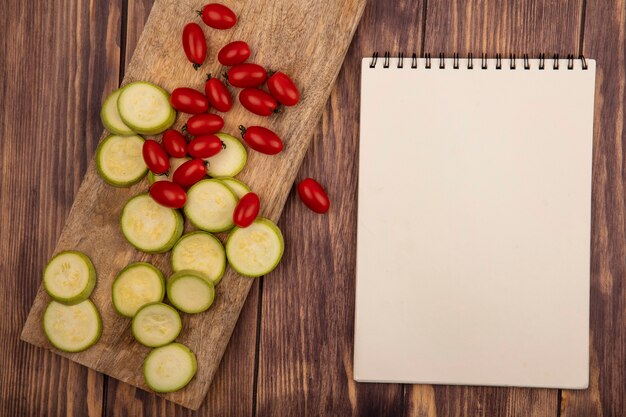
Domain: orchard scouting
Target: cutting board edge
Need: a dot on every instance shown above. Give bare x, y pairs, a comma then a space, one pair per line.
194, 402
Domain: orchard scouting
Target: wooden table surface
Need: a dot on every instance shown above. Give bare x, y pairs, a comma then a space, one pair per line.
291, 353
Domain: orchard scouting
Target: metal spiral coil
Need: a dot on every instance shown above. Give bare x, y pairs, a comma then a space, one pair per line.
470, 61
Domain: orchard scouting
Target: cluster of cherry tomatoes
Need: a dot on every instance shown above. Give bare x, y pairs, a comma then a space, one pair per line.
203, 126
173, 193
247, 76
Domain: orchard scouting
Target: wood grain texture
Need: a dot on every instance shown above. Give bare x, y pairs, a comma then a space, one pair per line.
605, 40
280, 31
137, 12
492, 26
232, 388
49, 105
298, 372
307, 320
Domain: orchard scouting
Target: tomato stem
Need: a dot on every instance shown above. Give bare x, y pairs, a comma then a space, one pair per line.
199, 12
223, 144
243, 130
196, 66
184, 128
208, 76
270, 72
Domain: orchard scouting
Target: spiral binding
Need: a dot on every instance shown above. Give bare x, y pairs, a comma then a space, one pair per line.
483, 61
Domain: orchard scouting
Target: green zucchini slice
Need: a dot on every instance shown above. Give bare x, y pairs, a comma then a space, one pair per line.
72, 328
255, 250
135, 286
111, 118
156, 324
119, 160
190, 291
169, 368
239, 188
69, 277
202, 252
210, 206
149, 226
230, 161
145, 108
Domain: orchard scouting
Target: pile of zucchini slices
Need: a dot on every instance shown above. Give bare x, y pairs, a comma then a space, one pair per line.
140, 291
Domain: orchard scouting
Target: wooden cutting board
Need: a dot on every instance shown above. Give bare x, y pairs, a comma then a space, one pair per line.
307, 40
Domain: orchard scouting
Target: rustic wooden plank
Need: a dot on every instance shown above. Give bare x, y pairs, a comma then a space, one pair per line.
281, 33
137, 13
56, 62
604, 40
491, 26
447, 400
231, 392
307, 320
529, 26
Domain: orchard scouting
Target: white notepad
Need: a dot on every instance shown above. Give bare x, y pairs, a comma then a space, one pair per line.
474, 208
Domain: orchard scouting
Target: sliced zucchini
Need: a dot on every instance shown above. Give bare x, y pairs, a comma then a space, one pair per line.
135, 286
210, 206
69, 277
149, 226
174, 164
239, 188
156, 324
202, 252
119, 160
111, 118
169, 368
145, 108
190, 291
72, 328
152, 177
255, 250
231, 159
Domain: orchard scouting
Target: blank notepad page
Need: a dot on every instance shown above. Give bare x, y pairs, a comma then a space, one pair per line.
474, 208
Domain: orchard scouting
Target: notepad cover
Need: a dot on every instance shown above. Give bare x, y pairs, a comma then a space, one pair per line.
474, 218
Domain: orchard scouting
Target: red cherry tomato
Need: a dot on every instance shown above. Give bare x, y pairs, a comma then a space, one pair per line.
174, 143
204, 146
246, 210
234, 53
168, 194
203, 124
194, 44
283, 89
155, 157
246, 75
262, 139
258, 101
189, 173
218, 94
313, 195
218, 16
189, 100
